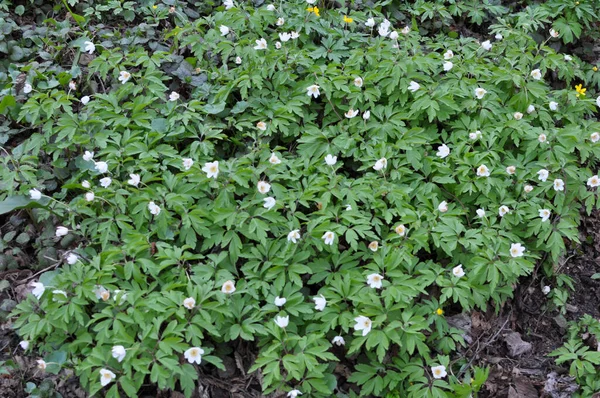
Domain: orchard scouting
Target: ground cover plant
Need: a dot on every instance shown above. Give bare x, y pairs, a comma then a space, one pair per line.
327, 181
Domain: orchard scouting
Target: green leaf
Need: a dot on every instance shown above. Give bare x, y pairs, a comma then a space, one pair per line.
21, 202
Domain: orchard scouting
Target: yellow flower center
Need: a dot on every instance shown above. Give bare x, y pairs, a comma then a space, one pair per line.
194, 352
105, 295
439, 311
367, 323
437, 372
213, 169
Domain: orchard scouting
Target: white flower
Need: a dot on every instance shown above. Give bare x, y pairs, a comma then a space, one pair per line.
568, 58
363, 323
102, 167
443, 151
61, 231
187, 163
105, 182
261, 126
274, 159
405, 30
124, 76
503, 210
375, 281
228, 287
480, 92
339, 341
598, 101
400, 230
211, 169
228, 4
282, 321
27, 88
536, 74
458, 271
89, 47
559, 185
475, 135
380, 164
293, 236
194, 354
72, 258
294, 34
483, 171
439, 372
106, 376
370, 23
358, 81
518, 115
530, 109
263, 187
85, 99
595, 137
118, 352
330, 159
134, 179
328, 237
413, 86
320, 302
121, 297
238, 60
544, 214
448, 65
348, 207
527, 188
154, 209
280, 21
351, 113
41, 364
542, 138
101, 293
38, 289
224, 30
72, 85
35, 194
448, 54
394, 35
294, 393
516, 250
367, 115
511, 170
24, 344
553, 105
543, 175
546, 289
383, 30
554, 33
313, 90
87, 156
480, 213
443, 207
270, 7
373, 246
189, 303
261, 44
593, 181
280, 301
498, 36
277, 45
486, 45
174, 96
284, 36
269, 203
311, 1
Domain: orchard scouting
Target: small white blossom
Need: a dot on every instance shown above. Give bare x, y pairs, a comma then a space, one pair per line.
517, 250
486, 45
405, 30
277, 45
280, 21
282, 321
373, 246
530, 109
105, 182
41, 364
480, 92
394, 35
124, 76
261, 126
187, 163
536, 74
154, 209
363, 324
568, 57
339, 341
366, 115
543, 175
443, 151
553, 105
439, 372
284, 36
518, 115
400, 230
370, 23
85, 99
35, 194
313, 90
358, 81
238, 60
559, 185
448, 66
475, 135
375, 281
261, 44
72, 258
27, 88
595, 137
380, 164
546, 290
503, 210
211, 169
483, 171
554, 33
90, 196
263, 187
224, 30
118, 352
320, 302
106, 376
593, 181
328, 237
544, 214
61, 231
458, 271
351, 113
270, 7
280, 301
134, 179
189, 303
443, 207
24, 344
498, 36
330, 160
293, 236
274, 159
269, 203
38, 289
88, 156
228, 287
174, 96
294, 394
527, 188
228, 4
511, 170
413, 86
542, 138
194, 355
102, 167
448, 54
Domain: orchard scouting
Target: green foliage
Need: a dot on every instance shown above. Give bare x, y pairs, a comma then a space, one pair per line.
584, 360
393, 206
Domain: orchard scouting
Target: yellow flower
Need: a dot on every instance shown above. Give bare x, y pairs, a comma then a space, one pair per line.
314, 10
595, 69
155, 7
439, 311
580, 90
347, 19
